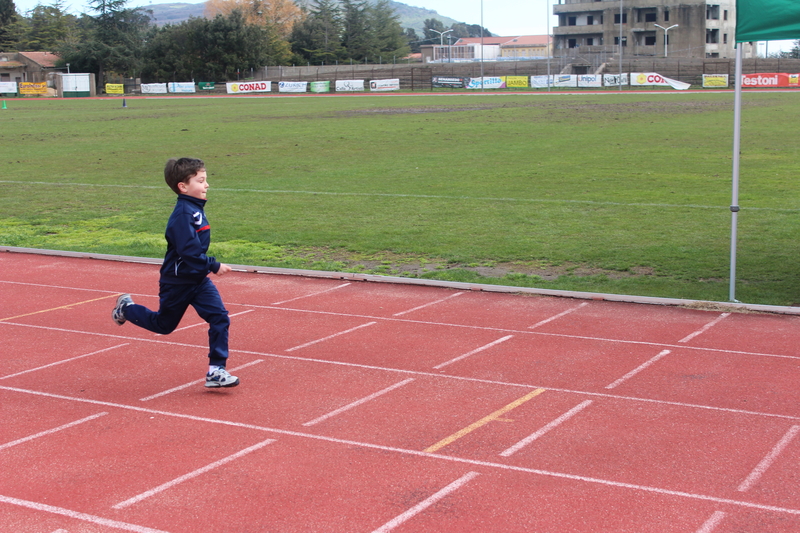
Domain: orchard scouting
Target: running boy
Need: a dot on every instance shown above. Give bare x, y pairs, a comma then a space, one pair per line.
184, 274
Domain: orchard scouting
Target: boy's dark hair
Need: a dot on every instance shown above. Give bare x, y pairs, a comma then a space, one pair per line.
181, 170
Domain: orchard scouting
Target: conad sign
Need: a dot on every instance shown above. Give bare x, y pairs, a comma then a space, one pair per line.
774, 79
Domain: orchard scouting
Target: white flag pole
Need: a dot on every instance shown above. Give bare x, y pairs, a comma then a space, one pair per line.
737, 126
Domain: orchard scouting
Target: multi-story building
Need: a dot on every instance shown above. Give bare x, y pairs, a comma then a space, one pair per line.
660, 28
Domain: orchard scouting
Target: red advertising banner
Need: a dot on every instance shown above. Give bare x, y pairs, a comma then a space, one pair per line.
770, 79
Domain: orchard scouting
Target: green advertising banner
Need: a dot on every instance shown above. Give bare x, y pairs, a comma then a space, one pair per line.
767, 20
320, 86
206, 85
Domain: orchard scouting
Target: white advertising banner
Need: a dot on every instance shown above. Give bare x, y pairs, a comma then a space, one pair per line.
489, 82
154, 88
181, 86
349, 85
615, 80
540, 82
653, 78
292, 86
590, 80
248, 87
8, 86
565, 80
384, 85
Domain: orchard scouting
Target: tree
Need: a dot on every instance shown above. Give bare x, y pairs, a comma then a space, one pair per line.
358, 38
280, 15
318, 38
431, 29
387, 32
9, 26
213, 50
48, 27
113, 40
413, 39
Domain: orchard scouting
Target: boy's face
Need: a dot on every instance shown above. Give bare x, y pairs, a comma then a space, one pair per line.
196, 186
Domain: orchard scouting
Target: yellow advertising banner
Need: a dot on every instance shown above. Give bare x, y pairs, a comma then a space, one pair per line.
115, 88
30, 87
516, 81
715, 80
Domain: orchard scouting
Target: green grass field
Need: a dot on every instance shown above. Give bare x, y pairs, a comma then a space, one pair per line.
620, 193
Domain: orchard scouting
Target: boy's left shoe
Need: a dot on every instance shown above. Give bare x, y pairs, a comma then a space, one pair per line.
221, 378
118, 314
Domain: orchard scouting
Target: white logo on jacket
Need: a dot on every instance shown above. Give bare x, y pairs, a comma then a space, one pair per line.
198, 218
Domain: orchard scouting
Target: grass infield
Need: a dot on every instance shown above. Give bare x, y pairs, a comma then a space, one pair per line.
620, 193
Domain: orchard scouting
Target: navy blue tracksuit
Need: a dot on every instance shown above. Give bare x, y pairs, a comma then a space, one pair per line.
184, 280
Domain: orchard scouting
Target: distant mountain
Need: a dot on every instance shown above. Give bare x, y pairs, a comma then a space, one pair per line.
410, 17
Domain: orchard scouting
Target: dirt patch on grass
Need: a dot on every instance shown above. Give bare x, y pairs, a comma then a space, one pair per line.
409, 265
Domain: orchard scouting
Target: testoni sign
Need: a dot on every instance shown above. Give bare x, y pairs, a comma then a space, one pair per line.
771, 79
240, 87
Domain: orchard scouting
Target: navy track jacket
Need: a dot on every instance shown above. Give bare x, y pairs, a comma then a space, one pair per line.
188, 235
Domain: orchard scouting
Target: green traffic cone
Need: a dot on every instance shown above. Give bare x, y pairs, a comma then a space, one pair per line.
4, 105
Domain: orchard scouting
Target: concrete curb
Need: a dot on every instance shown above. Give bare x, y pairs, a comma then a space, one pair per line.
354, 276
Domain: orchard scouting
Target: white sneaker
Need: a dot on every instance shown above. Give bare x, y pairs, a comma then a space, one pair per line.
221, 378
118, 314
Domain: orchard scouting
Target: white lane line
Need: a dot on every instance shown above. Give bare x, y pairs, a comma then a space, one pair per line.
426, 323
418, 453
203, 323
767, 461
195, 382
401, 313
50, 431
65, 361
97, 520
637, 369
358, 402
311, 295
559, 315
532, 437
473, 352
450, 376
190, 475
705, 328
421, 506
711, 524
345, 332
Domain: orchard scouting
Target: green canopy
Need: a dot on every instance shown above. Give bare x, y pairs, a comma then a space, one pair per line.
767, 20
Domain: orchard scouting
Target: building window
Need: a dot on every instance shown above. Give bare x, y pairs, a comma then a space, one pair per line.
590, 20
666, 15
650, 17
649, 40
624, 41
624, 18
572, 43
725, 15
724, 38
712, 12
589, 41
572, 21
712, 36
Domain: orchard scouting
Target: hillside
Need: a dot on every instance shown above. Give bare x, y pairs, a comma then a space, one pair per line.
410, 16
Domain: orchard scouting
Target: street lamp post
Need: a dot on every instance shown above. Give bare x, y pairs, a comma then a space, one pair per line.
666, 39
441, 39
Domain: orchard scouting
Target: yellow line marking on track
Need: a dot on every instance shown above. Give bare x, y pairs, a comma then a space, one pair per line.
483, 421
68, 306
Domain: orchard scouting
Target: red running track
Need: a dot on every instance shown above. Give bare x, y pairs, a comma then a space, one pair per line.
372, 407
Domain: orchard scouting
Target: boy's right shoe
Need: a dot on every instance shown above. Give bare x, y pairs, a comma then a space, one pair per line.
118, 314
221, 378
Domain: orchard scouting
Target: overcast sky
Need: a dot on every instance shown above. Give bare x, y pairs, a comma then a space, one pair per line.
501, 17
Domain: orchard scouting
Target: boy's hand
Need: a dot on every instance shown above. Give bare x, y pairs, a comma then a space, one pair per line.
223, 269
